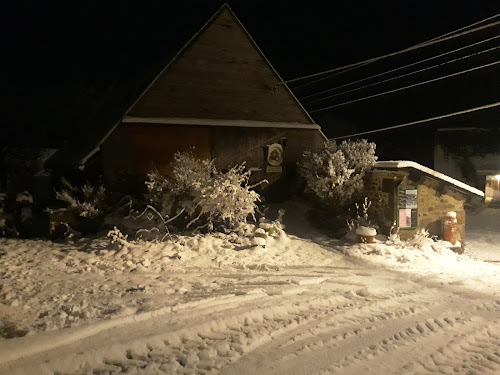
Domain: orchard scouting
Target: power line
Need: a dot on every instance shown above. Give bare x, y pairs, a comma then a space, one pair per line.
406, 87
439, 39
374, 59
330, 76
396, 69
421, 121
401, 76
465, 27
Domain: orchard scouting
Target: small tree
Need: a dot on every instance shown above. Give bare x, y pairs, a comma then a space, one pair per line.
334, 174
205, 194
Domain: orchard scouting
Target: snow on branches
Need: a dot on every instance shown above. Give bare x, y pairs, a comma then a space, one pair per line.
334, 174
87, 201
204, 193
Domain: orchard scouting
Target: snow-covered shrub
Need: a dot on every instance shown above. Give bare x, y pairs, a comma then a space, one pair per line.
188, 175
420, 239
3, 215
394, 237
362, 218
10, 220
334, 174
88, 201
361, 224
117, 236
205, 194
24, 197
275, 227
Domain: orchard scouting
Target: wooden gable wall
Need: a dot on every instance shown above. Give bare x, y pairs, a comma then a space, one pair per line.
221, 74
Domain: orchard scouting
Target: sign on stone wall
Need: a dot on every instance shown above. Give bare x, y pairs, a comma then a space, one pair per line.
407, 207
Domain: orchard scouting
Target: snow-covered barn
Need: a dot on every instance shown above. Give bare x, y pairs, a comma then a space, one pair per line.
414, 197
219, 94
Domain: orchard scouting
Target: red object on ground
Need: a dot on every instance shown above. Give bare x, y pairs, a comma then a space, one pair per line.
450, 228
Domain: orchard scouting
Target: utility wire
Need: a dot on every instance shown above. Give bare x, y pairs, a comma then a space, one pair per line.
329, 76
421, 121
401, 76
374, 59
396, 69
406, 87
465, 27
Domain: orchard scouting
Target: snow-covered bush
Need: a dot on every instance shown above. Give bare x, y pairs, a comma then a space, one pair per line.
24, 197
361, 225
334, 174
275, 227
188, 175
394, 237
362, 218
8, 225
204, 194
3, 215
420, 239
117, 236
87, 201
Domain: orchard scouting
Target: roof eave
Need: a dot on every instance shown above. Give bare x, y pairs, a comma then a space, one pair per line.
401, 164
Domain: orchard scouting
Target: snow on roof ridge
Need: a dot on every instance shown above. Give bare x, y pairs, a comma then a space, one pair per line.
432, 172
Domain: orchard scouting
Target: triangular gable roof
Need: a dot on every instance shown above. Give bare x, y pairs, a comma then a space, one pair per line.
398, 164
220, 74
79, 153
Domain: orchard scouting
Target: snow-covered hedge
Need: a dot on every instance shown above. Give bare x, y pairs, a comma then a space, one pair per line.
334, 174
204, 194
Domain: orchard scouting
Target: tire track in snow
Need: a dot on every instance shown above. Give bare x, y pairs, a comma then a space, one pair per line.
464, 346
475, 351
355, 343
317, 331
232, 342
231, 313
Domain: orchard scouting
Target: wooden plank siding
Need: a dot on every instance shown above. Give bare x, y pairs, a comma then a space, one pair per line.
153, 146
220, 75
135, 149
234, 145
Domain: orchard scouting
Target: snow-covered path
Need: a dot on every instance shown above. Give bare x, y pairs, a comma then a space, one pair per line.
216, 305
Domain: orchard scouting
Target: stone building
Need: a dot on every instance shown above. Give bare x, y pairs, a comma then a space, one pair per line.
410, 196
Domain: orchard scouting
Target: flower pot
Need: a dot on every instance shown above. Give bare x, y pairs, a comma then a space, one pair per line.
366, 234
366, 239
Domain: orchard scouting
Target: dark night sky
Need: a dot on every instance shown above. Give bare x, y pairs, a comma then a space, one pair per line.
63, 65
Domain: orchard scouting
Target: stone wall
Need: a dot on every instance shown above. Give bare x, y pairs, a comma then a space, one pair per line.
435, 199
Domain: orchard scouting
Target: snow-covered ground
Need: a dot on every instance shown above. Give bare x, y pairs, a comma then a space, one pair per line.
209, 304
483, 234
